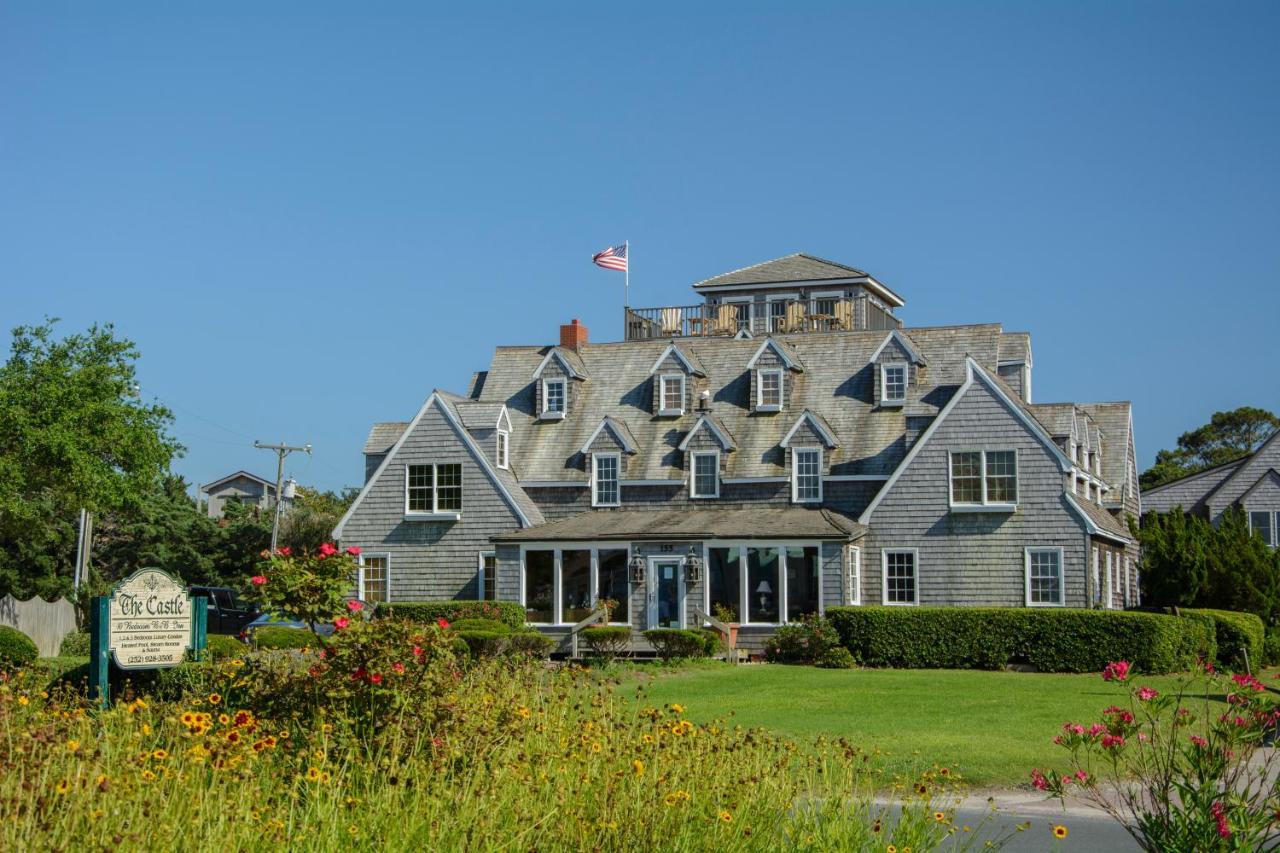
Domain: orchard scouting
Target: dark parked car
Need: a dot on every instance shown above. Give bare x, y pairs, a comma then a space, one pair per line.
324, 629
228, 613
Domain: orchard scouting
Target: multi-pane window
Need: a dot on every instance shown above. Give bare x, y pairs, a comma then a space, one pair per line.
706, 475
1044, 576
855, 574
553, 396
984, 477
893, 386
373, 578
605, 481
769, 389
504, 441
488, 580
575, 585
900, 577
806, 480
672, 394
434, 488
1264, 524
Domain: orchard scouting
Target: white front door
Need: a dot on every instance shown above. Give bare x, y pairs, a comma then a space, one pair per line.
666, 593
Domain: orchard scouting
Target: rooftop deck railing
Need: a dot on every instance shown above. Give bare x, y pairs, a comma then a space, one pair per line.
776, 316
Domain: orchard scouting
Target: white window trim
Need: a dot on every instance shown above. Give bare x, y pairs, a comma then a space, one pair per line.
744, 594
777, 297
503, 449
436, 514
1109, 603
1062, 579
547, 414
985, 505
884, 577
1272, 517
885, 401
795, 474
762, 406
663, 410
693, 474
385, 555
557, 579
480, 574
853, 554
595, 497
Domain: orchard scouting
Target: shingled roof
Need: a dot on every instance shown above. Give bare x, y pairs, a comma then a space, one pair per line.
383, 435
797, 267
837, 385
763, 522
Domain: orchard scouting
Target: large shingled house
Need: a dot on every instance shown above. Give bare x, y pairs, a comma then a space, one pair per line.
782, 446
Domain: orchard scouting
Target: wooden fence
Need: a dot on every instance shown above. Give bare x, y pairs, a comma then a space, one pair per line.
46, 622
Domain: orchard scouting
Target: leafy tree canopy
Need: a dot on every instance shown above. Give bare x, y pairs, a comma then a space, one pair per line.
1227, 436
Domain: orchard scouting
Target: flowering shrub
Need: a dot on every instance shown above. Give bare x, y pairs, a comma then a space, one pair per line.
1177, 772
310, 588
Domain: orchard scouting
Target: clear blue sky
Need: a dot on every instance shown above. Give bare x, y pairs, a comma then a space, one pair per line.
308, 217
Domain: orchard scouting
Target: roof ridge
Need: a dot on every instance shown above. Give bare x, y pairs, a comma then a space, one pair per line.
748, 267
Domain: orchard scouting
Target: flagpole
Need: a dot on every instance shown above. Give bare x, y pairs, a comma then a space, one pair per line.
626, 276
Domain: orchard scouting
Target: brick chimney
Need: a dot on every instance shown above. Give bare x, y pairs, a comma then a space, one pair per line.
574, 335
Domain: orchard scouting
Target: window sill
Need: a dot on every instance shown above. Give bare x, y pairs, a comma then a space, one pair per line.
551, 416
1046, 604
901, 604
984, 507
892, 404
606, 506
703, 497
670, 413
769, 407
432, 516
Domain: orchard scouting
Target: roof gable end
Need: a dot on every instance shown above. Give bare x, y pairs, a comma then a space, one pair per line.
784, 353
577, 371
819, 425
618, 429
904, 342
712, 425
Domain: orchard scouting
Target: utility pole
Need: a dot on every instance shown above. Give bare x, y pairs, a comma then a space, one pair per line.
282, 450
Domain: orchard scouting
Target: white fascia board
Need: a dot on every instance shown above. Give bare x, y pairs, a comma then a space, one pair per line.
237, 474
607, 421
767, 343
903, 342
672, 349
503, 416
555, 353
703, 420
466, 440
827, 437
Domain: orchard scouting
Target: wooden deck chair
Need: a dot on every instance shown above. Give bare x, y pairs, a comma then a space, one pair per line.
795, 317
672, 325
844, 315
726, 320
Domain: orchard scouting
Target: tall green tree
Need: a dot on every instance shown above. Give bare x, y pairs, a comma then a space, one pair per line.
1227, 436
74, 434
310, 520
165, 531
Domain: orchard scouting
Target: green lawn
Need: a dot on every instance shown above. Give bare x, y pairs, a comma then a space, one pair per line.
993, 727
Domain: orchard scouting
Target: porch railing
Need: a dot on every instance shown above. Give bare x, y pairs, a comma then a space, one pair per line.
730, 641
597, 615
775, 316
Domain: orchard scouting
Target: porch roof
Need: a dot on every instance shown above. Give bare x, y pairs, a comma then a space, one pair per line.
790, 522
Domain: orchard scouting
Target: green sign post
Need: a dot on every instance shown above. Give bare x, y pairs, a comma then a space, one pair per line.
148, 622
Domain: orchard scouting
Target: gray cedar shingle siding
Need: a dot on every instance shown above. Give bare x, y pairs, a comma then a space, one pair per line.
1265, 459
975, 558
429, 560
1190, 493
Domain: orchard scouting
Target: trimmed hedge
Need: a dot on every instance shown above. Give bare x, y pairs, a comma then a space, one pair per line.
269, 637
606, 642
672, 643
508, 612
1235, 631
991, 638
531, 643
75, 645
491, 625
486, 644
16, 648
222, 646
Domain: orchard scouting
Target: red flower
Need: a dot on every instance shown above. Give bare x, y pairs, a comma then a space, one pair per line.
1146, 693
1112, 741
375, 679
1116, 671
1038, 781
358, 674
341, 622
355, 606
327, 550
417, 651
398, 667
354, 550
285, 551
257, 580
442, 622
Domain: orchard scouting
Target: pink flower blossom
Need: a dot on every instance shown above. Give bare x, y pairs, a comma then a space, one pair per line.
1038, 781
1199, 741
341, 622
398, 667
417, 651
327, 550
1082, 776
257, 580
1116, 671
355, 605
285, 551
1112, 741
354, 550
1245, 680
375, 679
1096, 729
443, 622
1146, 694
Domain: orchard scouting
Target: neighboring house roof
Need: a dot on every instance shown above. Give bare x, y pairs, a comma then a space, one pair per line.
837, 385
1098, 521
763, 522
1015, 348
383, 435
263, 480
798, 267
1189, 491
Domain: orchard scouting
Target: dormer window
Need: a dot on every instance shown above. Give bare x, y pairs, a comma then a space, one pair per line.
503, 449
893, 384
704, 476
554, 394
769, 390
605, 470
806, 475
671, 394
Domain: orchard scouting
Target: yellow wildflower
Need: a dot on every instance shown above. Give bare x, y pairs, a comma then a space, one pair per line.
63, 787
1059, 831
23, 700
73, 745
639, 766
725, 817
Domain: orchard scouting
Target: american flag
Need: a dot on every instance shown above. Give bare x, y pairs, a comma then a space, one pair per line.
612, 258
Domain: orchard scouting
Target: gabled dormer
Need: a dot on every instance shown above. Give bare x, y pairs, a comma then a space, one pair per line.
705, 447
808, 444
490, 427
554, 383
606, 452
772, 368
676, 378
898, 366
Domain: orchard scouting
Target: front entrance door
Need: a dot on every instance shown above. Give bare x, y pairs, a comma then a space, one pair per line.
666, 594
